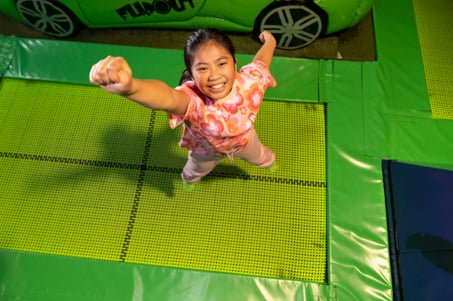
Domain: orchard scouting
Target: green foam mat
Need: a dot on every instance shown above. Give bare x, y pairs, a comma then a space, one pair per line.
89, 174
435, 27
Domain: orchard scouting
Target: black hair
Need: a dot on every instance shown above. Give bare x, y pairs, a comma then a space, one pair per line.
199, 38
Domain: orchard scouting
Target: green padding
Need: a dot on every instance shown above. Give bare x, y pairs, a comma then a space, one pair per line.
7, 50
32, 277
435, 27
88, 174
72, 61
397, 115
375, 110
359, 266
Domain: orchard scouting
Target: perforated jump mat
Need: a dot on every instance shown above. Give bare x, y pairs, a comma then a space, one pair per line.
89, 174
434, 26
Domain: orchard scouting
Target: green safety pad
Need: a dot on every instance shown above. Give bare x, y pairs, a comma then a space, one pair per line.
88, 174
297, 78
435, 27
7, 50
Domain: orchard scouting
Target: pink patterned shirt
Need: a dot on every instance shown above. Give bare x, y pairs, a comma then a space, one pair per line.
218, 128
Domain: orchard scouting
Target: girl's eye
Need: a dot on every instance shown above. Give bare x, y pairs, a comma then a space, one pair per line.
202, 69
222, 64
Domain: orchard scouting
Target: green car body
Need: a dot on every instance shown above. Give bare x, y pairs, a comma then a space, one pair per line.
301, 20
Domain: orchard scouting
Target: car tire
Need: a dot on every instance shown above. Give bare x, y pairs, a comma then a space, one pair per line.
294, 24
50, 17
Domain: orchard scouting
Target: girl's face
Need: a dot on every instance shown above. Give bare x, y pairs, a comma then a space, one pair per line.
214, 70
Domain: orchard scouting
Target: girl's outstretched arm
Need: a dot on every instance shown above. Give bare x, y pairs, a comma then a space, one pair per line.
114, 75
266, 52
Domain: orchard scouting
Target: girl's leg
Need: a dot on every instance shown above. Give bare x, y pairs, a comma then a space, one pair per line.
197, 167
256, 153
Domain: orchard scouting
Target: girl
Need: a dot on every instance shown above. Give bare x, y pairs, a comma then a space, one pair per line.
216, 104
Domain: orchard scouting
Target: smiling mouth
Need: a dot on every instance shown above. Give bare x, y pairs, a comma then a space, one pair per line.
217, 88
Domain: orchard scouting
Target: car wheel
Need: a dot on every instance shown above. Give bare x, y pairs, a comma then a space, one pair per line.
294, 24
50, 17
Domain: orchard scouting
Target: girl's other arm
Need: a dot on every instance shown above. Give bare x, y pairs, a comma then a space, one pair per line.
266, 52
114, 75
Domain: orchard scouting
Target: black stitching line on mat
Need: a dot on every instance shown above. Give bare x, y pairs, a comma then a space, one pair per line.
70, 160
269, 179
138, 191
172, 170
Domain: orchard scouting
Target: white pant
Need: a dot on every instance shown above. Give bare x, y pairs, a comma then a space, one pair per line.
255, 152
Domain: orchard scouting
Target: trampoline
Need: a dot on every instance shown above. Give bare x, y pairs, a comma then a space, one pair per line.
92, 175
91, 202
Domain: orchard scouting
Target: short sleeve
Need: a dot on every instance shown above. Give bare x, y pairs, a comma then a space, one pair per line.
176, 120
260, 71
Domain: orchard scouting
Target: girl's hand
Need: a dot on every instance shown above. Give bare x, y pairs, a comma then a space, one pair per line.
113, 75
267, 37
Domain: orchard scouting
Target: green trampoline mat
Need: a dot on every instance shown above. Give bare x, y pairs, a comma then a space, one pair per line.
435, 27
89, 174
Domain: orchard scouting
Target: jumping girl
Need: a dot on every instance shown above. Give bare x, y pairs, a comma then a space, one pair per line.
217, 104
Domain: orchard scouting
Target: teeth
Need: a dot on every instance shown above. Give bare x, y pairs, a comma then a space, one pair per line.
217, 86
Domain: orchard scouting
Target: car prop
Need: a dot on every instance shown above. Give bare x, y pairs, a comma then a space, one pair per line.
295, 24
